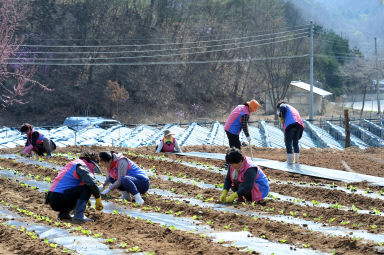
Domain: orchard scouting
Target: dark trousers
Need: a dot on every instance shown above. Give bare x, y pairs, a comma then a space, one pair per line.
247, 196
133, 185
292, 136
66, 202
234, 140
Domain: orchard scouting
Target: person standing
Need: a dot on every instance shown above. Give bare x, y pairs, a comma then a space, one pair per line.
293, 129
73, 187
168, 143
237, 121
244, 177
36, 142
124, 175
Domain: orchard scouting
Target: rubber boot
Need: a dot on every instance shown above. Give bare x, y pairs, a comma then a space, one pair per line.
138, 199
64, 216
289, 158
125, 195
79, 217
297, 158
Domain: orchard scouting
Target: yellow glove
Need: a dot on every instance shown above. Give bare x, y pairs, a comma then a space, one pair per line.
99, 205
232, 197
89, 203
223, 195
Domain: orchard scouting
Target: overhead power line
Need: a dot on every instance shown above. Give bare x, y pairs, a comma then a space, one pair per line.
162, 62
176, 37
152, 44
173, 54
153, 50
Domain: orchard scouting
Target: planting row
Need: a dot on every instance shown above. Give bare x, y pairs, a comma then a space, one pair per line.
225, 220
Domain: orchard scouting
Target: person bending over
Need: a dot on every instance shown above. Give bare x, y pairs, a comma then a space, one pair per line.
124, 175
73, 187
244, 177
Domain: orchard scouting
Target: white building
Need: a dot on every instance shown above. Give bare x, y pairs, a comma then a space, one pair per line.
298, 96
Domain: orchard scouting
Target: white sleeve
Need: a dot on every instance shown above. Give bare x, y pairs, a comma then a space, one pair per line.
160, 146
178, 149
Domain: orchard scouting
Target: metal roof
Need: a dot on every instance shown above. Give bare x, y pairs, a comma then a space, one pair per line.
306, 86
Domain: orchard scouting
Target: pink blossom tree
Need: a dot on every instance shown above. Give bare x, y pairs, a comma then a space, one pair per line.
15, 77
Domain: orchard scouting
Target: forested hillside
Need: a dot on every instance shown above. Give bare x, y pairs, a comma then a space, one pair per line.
164, 60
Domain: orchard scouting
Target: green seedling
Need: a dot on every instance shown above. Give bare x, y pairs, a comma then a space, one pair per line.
344, 222
115, 212
123, 244
263, 237
318, 218
306, 245
210, 222
331, 220
373, 226
292, 213
221, 241
305, 215
354, 208
314, 202
283, 241
86, 232
110, 240
255, 218
134, 249
53, 245
281, 212
228, 226
271, 209
245, 228
172, 227
377, 212
336, 205
178, 213
203, 236
96, 235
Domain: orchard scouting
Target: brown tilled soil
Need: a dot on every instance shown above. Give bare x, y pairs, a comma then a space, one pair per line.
153, 237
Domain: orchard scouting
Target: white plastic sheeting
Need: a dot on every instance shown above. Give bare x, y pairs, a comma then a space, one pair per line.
264, 135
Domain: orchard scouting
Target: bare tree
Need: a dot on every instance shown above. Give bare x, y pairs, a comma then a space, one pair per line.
15, 79
117, 94
359, 73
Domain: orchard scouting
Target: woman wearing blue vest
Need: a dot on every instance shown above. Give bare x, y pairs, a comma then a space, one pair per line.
237, 121
244, 177
73, 187
36, 142
124, 175
293, 129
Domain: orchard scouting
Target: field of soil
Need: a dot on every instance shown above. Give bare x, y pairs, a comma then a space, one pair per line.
305, 214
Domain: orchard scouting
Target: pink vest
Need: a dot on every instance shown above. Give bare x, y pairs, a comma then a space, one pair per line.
169, 148
260, 187
233, 123
68, 178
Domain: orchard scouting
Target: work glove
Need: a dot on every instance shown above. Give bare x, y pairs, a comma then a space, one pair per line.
99, 205
101, 187
223, 195
106, 191
89, 203
231, 198
249, 139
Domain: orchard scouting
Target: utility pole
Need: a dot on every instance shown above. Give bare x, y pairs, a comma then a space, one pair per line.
377, 81
311, 76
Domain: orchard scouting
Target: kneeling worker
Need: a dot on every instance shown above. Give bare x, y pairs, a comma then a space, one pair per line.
124, 175
168, 144
244, 177
73, 187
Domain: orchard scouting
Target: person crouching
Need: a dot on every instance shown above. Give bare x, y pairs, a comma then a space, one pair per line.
244, 177
124, 175
73, 187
